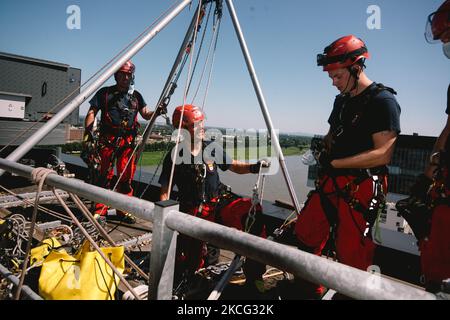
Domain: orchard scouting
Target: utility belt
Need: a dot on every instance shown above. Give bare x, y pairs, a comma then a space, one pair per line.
109, 137
117, 131
227, 209
210, 205
348, 193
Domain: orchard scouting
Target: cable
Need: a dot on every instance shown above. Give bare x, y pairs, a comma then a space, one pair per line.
39, 175
208, 55
103, 232
189, 81
200, 47
212, 64
156, 170
184, 103
104, 280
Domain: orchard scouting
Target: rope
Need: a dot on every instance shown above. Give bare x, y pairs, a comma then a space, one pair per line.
172, 171
216, 30
164, 100
20, 228
215, 35
96, 247
199, 51
256, 200
38, 176
189, 79
156, 170
208, 56
87, 81
103, 232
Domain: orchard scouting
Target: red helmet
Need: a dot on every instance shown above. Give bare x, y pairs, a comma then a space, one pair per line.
438, 22
191, 115
128, 67
342, 53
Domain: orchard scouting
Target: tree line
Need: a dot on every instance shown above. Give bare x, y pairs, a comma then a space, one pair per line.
286, 141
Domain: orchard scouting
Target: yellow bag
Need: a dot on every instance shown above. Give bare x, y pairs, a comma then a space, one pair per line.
38, 254
85, 276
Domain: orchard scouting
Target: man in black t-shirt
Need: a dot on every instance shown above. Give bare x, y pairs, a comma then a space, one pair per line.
119, 106
427, 210
364, 125
200, 192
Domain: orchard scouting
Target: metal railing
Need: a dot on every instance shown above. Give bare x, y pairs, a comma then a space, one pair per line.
167, 221
26, 291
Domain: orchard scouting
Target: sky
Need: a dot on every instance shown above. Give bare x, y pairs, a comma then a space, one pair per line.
283, 37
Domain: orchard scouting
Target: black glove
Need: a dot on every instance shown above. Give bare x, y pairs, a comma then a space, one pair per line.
325, 161
86, 145
162, 110
417, 214
421, 187
255, 168
415, 210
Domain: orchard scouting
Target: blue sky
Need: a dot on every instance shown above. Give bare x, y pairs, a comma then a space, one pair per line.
284, 38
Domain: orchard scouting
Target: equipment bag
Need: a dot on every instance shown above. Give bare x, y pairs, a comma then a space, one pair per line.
85, 276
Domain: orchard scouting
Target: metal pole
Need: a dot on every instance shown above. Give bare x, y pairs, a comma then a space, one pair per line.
234, 265
141, 208
26, 290
86, 93
162, 259
167, 86
262, 104
347, 280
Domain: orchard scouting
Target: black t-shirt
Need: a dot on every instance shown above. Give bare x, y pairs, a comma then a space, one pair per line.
196, 178
354, 120
115, 106
448, 100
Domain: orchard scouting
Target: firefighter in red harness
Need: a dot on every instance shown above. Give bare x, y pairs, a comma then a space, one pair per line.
427, 209
200, 192
119, 106
352, 182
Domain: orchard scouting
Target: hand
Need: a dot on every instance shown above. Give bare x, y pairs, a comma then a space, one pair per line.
325, 161
417, 213
162, 110
421, 187
263, 163
88, 136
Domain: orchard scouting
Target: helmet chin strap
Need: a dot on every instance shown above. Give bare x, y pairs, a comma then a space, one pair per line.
354, 75
131, 87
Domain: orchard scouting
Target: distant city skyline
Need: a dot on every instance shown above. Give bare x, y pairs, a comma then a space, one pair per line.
283, 38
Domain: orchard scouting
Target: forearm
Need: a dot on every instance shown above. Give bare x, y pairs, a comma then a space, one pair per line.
438, 146
89, 120
164, 194
240, 167
380, 155
146, 113
364, 160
